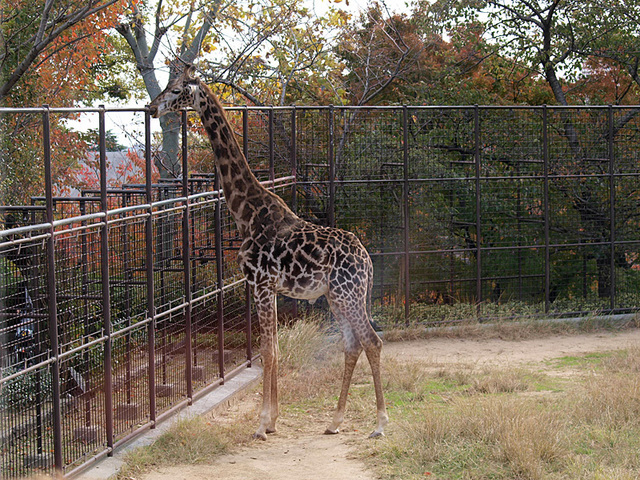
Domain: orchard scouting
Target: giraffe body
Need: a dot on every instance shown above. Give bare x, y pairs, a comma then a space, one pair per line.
282, 253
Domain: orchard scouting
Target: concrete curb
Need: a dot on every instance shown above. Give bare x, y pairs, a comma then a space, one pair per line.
220, 398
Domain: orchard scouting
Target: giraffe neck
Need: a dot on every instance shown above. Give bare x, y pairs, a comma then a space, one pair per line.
245, 195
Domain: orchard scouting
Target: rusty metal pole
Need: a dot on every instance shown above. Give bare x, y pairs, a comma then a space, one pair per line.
148, 237
186, 261
547, 258
476, 141
332, 170
294, 188
247, 295
612, 211
51, 287
104, 272
294, 159
407, 223
272, 167
219, 276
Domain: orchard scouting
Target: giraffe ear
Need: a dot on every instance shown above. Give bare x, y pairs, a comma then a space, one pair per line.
190, 72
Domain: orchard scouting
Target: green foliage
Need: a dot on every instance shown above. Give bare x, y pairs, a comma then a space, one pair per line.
24, 391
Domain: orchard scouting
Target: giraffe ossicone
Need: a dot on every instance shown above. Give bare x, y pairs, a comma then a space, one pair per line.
282, 253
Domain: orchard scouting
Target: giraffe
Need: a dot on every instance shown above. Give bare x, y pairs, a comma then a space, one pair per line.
282, 253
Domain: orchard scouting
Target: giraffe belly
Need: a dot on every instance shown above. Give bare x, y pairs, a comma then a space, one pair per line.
304, 287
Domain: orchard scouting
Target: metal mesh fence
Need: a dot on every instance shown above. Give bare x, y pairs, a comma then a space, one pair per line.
121, 303
514, 211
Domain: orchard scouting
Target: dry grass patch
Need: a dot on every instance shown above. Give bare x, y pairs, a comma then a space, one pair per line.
307, 356
192, 441
485, 424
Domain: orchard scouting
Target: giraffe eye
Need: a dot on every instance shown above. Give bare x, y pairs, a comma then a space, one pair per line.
176, 91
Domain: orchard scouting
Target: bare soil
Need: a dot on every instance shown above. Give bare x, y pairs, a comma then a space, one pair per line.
300, 452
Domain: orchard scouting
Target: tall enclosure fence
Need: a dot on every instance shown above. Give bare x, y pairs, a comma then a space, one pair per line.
121, 303
482, 212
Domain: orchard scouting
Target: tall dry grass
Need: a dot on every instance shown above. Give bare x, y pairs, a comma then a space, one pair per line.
193, 441
497, 423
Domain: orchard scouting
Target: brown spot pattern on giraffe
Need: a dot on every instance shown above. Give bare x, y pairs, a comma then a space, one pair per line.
282, 253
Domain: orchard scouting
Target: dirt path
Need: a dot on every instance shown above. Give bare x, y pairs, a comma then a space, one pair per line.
293, 454
504, 352
282, 457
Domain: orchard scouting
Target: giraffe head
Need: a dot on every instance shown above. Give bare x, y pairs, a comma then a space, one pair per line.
179, 94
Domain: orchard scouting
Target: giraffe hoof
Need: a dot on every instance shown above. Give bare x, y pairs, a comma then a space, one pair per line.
328, 431
271, 430
376, 434
260, 436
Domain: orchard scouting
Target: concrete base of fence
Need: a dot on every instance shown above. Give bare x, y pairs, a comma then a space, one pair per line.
165, 390
219, 398
86, 434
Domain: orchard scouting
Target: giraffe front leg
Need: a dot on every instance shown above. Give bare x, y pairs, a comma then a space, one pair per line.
274, 391
268, 362
266, 307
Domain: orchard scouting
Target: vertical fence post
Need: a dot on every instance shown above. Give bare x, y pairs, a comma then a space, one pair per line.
272, 167
332, 170
186, 261
294, 173
127, 301
476, 141
52, 300
247, 293
612, 210
85, 313
547, 253
104, 273
294, 158
219, 275
405, 213
148, 237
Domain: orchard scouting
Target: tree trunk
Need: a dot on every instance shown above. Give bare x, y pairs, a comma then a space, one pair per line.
168, 161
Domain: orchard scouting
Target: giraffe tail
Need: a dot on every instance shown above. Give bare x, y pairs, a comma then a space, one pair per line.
370, 291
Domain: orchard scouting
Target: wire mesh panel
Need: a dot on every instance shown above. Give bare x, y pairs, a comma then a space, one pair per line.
512, 199
27, 421
625, 129
313, 147
441, 209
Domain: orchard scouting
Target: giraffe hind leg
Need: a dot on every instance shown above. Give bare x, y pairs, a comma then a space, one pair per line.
358, 334
352, 352
372, 350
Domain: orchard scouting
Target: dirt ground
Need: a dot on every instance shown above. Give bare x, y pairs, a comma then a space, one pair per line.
297, 454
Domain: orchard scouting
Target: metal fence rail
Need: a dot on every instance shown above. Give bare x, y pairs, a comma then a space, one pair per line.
120, 305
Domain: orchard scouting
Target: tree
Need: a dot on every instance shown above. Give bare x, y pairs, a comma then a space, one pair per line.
50, 56
147, 50
30, 30
556, 40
